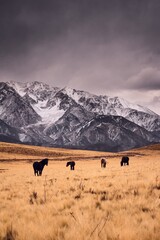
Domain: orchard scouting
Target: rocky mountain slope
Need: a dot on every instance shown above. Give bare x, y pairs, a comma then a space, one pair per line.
38, 114
14, 110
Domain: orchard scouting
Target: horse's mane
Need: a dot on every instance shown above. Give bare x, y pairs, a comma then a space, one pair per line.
44, 161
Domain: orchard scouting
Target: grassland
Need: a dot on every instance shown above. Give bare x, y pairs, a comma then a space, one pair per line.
120, 203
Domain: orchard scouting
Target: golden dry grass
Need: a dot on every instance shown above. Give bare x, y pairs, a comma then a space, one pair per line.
120, 203
9, 152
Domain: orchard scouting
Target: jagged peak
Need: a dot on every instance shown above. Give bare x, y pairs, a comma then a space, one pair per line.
5, 87
79, 96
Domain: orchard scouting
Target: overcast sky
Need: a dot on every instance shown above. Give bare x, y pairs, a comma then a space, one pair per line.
107, 47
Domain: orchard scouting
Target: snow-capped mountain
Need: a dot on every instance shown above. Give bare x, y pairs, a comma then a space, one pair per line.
36, 90
103, 104
45, 115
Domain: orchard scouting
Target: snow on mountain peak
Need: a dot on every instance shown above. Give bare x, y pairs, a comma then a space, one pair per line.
19, 87
124, 105
48, 115
72, 93
137, 107
42, 93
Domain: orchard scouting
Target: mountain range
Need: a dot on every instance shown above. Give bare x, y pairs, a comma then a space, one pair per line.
38, 114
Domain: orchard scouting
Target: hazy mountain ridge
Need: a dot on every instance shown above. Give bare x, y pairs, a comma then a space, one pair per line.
66, 117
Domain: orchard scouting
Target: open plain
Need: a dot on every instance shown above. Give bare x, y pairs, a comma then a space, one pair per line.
91, 202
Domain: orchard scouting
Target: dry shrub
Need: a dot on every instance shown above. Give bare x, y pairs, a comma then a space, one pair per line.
10, 234
33, 198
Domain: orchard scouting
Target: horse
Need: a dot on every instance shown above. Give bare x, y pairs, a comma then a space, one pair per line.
103, 163
125, 161
38, 166
71, 164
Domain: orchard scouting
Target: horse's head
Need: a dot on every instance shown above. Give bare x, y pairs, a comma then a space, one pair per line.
46, 161
67, 164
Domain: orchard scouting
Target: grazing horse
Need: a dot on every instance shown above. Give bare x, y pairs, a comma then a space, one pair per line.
71, 164
125, 161
38, 166
103, 163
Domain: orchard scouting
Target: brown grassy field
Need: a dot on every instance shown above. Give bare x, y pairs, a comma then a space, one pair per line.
120, 203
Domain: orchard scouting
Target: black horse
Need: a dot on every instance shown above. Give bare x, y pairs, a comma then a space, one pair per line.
71, 164
103, 163
38, 166
125, 161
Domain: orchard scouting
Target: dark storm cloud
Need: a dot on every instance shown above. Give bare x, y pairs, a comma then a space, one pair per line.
92, 44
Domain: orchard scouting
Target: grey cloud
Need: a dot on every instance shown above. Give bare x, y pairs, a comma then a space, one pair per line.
146, 79
88, 44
